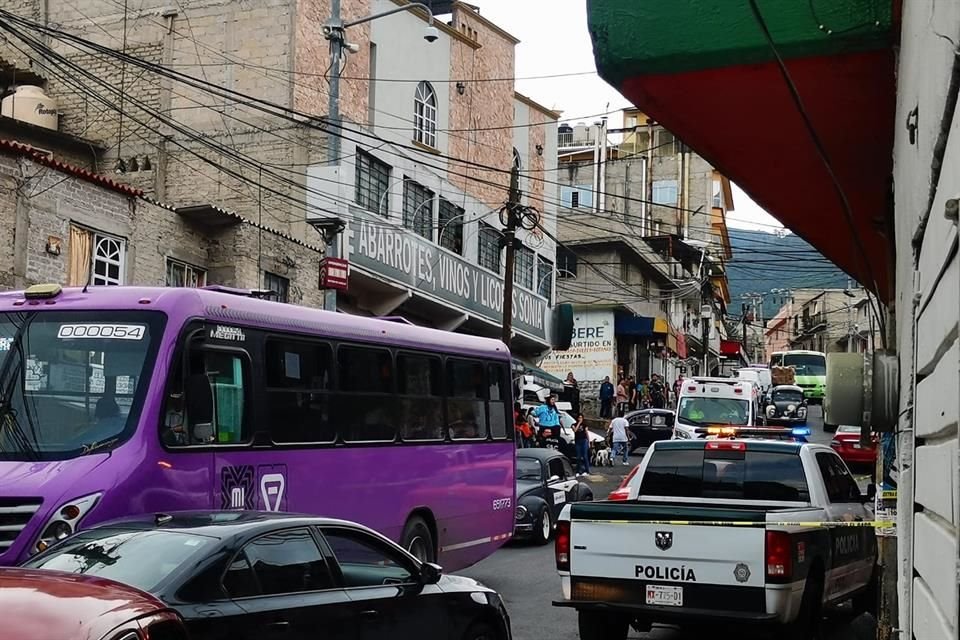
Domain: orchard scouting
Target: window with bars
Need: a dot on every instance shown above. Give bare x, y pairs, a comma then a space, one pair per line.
425, 115
418, 208
373, 180
451, 226
645, 288
545, 278
279, 285
523, 270
181, 274
624, 271
488, 247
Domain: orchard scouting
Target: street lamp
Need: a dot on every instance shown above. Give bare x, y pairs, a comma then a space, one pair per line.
335, 33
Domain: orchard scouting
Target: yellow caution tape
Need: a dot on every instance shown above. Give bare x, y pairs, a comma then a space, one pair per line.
876, 524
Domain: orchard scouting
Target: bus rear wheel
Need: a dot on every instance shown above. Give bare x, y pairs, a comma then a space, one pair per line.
418, 540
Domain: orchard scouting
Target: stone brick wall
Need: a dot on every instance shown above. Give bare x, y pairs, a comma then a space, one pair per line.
489, 109
39, 202
535, 186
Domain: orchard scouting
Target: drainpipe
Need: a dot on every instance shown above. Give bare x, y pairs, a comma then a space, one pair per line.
644, 203
602, 200
685, 203
681, 193
596, 167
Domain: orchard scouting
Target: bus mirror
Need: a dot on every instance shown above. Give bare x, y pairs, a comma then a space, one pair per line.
199, 400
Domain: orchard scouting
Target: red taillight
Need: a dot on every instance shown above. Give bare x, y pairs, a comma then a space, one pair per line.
779, 554
562, 545
738, 390
726, 445
622, 493
691, 388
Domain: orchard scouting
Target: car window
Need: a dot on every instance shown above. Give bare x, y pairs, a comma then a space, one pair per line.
841, 487
721, 474
365, 561
282, 562
567, 468
142, 559
556, 468
528, 469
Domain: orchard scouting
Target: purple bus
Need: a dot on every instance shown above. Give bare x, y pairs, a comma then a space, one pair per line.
125, 400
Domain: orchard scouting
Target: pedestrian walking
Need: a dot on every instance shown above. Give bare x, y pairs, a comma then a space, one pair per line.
581, 441
623, 399
658, 392
677, 387
607, 393
621, 442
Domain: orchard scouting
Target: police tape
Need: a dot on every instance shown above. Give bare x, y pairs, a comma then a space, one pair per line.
874, 524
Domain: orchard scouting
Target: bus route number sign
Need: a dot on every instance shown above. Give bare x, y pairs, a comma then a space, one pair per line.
102, 331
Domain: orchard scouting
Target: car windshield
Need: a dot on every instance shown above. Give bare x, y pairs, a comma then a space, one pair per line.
143, 559
566, 420
787, 395
806, 364
703, 411
528, 469
72, 382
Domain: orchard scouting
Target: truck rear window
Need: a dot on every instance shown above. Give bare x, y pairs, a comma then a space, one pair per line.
726, 475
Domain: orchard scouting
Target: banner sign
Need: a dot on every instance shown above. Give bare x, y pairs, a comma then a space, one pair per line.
592, 353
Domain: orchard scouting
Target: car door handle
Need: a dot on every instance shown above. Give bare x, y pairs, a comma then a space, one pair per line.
369, 614
279, 625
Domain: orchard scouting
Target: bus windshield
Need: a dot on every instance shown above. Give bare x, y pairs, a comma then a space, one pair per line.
71, 382
807, 364
704, 411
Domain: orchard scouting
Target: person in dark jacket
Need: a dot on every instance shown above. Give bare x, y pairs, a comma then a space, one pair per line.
606, 398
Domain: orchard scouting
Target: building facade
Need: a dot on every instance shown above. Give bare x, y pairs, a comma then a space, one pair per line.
644, 223
224, 108
63, 224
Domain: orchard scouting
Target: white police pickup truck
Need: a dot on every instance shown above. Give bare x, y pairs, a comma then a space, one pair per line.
671, 553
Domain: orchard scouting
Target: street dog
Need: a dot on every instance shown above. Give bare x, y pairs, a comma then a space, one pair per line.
602, 458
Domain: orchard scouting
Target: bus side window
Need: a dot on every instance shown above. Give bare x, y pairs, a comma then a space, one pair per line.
499, 395
209, 405
466, 395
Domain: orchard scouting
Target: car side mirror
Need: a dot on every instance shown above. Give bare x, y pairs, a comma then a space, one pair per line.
553, 479
871, 492
430, 573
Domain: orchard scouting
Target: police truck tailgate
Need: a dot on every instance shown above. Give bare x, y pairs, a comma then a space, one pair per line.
616, 557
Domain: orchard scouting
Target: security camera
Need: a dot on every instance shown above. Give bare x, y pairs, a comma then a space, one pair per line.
432, 34
352, 47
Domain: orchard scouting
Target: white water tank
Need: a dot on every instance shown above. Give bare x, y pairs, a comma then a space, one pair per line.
30, 104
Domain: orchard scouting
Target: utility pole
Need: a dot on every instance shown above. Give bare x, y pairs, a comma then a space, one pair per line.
510, 240
707, 293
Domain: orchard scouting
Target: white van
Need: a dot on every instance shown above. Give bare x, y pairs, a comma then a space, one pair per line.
714, 403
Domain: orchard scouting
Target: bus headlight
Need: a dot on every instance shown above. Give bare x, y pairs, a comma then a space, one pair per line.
64, 521
521, 513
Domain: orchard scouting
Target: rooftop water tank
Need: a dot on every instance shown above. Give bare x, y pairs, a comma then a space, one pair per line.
30, 104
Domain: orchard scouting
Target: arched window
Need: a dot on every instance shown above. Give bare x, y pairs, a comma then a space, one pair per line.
425, 115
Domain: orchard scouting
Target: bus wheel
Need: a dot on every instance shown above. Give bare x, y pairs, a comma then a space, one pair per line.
418, 540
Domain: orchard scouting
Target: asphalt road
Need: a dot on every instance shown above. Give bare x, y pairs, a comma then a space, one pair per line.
526, 577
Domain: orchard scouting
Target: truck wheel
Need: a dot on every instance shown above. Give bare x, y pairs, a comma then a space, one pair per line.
602, 625
809, 622
866, 600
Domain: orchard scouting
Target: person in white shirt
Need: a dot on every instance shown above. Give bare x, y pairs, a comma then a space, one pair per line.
621, 447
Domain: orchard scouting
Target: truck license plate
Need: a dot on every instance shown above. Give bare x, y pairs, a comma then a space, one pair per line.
664, 596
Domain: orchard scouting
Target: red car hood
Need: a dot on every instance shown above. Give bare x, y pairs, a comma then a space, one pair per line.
40, 605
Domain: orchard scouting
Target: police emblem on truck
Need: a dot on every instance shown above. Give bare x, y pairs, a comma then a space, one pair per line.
664, 540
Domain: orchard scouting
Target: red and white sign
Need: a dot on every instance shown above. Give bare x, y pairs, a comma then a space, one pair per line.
334, 273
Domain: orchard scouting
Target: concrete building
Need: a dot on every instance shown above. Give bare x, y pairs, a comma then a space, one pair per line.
869, 176
826, 321
780, 330
430, 133
64, 224
652, 219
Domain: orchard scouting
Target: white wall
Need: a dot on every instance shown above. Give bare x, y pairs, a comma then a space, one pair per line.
402, 53
928, 497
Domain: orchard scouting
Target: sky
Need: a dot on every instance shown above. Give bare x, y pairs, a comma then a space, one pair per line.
554, 40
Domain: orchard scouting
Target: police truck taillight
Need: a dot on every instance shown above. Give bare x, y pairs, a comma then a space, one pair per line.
779, 552
562, 545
